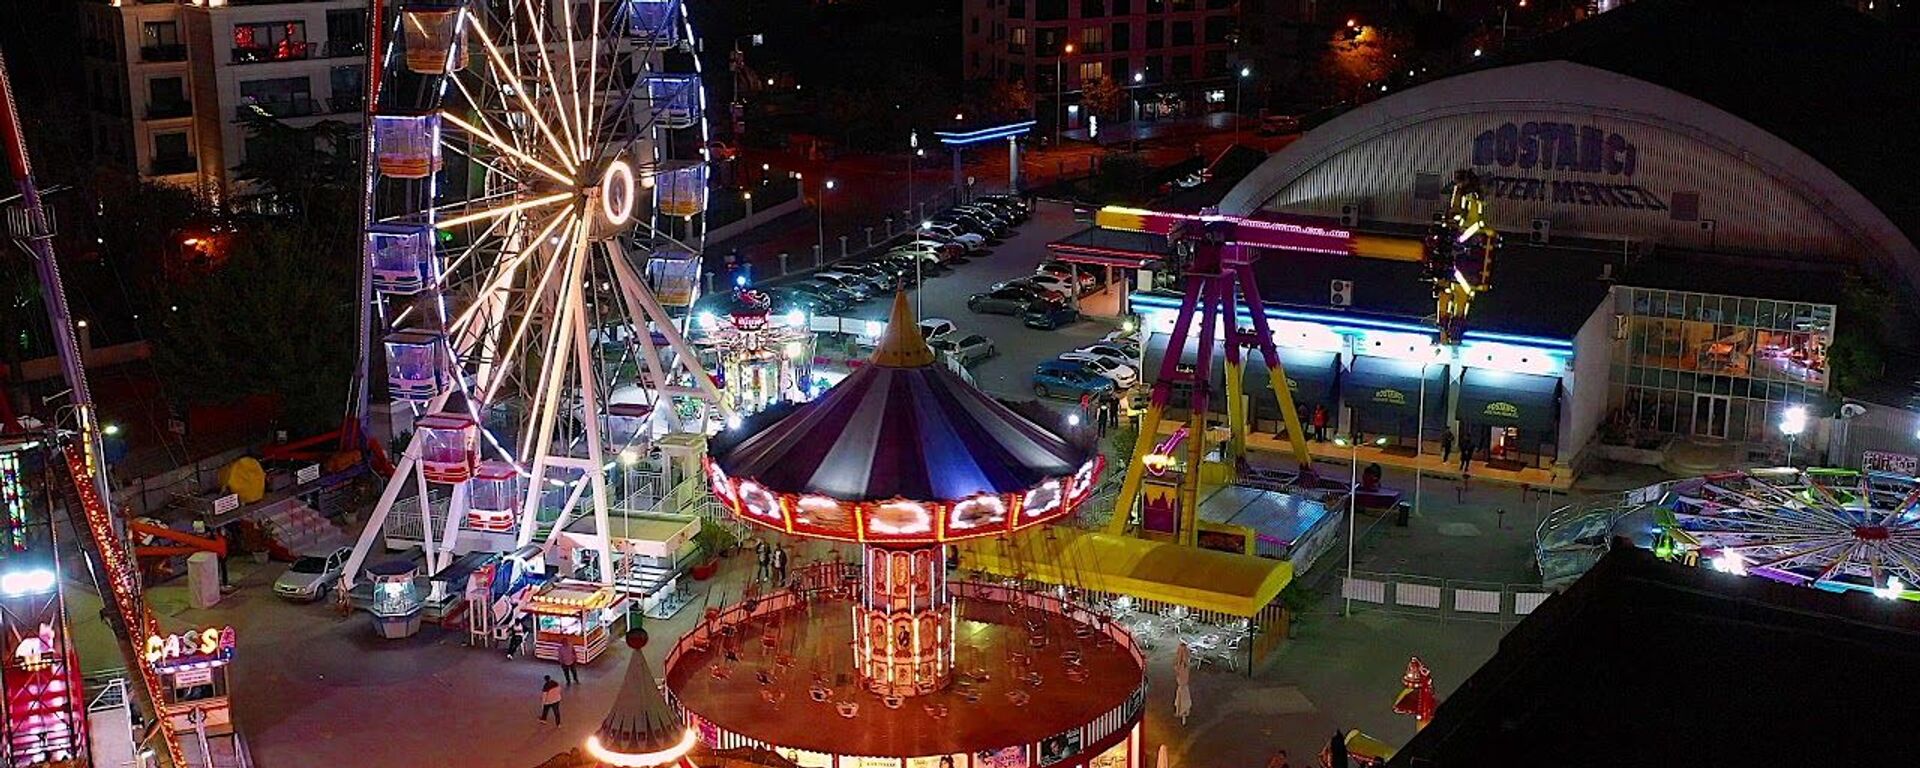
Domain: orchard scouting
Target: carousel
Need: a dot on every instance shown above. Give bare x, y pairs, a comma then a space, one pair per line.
759, 358
917, 669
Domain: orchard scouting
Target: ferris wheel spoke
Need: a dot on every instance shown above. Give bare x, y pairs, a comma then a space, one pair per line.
459, 262
503, 272
580, 137
504, 210
534, 114
545, 60
505, 147
539, 297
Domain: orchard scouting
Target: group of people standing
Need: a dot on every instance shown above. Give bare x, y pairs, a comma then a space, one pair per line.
1317, 429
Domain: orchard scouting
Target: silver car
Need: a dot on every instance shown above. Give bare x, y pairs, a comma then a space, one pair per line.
309, 577
968, 349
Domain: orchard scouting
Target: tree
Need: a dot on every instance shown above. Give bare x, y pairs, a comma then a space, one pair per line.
1009, 98
276, 318
311, 172
1101, 96
1857, 355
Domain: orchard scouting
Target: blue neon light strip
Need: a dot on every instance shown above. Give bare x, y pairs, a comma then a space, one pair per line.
984, 134
1159, 301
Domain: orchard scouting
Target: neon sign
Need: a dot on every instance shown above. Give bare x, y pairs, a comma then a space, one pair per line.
194, 647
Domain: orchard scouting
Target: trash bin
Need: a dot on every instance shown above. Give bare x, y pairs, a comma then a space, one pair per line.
1402, 512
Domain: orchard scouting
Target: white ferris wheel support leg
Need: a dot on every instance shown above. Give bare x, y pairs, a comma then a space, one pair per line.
590, 413
630, 289
377, 521
549, 403
683, 350
456, 514
427, 544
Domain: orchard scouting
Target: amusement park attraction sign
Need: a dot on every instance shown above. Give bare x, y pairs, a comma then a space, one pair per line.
194, 646
1607, 161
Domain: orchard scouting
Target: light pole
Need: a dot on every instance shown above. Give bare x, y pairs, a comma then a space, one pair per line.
919, 310
820, 219
1060, 91
1353, 507
1793, 421
913, 151
1245, 72
1134, 91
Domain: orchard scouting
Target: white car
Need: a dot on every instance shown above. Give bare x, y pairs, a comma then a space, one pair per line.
310, 576
1054, 283
1122, 375
936, 327
1109, 352
950, 233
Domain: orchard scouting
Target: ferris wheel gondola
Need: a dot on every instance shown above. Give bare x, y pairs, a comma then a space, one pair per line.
532, 162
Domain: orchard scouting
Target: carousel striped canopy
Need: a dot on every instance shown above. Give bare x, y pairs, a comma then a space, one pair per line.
902, 427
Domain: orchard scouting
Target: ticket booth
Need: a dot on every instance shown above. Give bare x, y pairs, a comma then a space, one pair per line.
192, 667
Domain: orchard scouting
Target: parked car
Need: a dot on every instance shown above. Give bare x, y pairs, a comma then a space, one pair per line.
1089, 278
987, 215
886, 273
1123, 375
835, 297
1056, 378
1056, 283
1115, 352
1278, 125
859, 288
974, 223
968, 349
1011, 300
1044, 292
947, 249
785, 299
309, 577
874, 285
935, 327
1047, 315
1014, 208
953, 233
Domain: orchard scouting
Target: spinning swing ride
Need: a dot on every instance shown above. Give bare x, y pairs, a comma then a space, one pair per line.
512, 256
904, 458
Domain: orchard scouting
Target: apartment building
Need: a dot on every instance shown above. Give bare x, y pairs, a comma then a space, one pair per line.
170, 81
1180, 50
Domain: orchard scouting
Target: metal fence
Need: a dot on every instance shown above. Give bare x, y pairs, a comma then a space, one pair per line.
1442, 599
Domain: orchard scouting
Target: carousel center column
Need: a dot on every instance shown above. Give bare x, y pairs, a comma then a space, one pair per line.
904, 622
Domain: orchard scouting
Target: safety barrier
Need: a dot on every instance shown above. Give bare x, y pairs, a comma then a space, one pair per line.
1443, 599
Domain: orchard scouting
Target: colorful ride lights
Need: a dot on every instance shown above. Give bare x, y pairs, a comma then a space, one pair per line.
666, 756
27, 581
905, 520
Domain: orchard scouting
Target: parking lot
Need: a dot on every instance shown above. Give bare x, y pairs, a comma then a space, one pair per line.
1020, 348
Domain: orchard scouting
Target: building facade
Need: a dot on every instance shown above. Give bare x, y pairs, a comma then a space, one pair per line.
1181, 50
170, 84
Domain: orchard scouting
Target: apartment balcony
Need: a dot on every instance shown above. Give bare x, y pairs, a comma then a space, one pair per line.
167, 165
301, 106
163, 110
260, 54
159, 53
343, 49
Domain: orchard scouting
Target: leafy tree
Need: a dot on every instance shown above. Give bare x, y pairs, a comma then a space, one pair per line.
274, 319
1101, 96
312, 173
1858, 355
1009, 98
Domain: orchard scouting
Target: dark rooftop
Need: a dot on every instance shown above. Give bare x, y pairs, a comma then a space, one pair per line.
1839, 85
1643, 662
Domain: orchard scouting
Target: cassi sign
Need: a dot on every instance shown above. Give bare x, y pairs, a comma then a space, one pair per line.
191, 646
1563, 148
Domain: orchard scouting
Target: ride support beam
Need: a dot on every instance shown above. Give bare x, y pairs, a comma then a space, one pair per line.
1149, 432
1276, 374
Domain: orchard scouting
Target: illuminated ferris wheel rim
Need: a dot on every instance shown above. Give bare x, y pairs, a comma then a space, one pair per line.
570, 171
1797, 528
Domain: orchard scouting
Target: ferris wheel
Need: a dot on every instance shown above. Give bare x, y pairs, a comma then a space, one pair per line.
535, 204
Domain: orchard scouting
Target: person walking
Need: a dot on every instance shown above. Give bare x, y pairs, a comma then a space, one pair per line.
780, 565
1319, 423
569, 662
1183, 682
515, 636
1446, 445
549, 699
763, 555
1466, 453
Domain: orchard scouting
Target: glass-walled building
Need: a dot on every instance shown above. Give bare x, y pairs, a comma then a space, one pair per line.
1714, 365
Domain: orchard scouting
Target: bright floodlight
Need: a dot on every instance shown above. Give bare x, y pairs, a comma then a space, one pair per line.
740, 280
1891, 591
1073, 419
111, 429
1730, 562
829, 183
32, 581
1139, 76
1246, 71
734, 421
1793, 421
1342, 442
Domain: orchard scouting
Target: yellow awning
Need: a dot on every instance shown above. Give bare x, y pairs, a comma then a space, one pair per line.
1201, 579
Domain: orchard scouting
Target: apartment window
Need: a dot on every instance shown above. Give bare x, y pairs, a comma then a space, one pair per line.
1156, 34
1155, 68
269, 41
1016, 9
1182, 33
1092, 70
349, 89
1120, 36
1179, 6
1219, 28
1093, 9
279, 97
1048, 41
1049, 10
160, 41
973, 26
1182, 68
1093, 39
167, 97
170, 153
346, 32
1120, 7
1017, 40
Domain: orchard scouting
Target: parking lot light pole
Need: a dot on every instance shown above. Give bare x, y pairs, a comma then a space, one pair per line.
1353, 509
820, 220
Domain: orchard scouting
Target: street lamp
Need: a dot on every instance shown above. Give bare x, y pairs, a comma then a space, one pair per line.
1060, 91
1245, 72
1138, 78
820, 217
919, 310
1353, 506
913, 151
1793, 421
